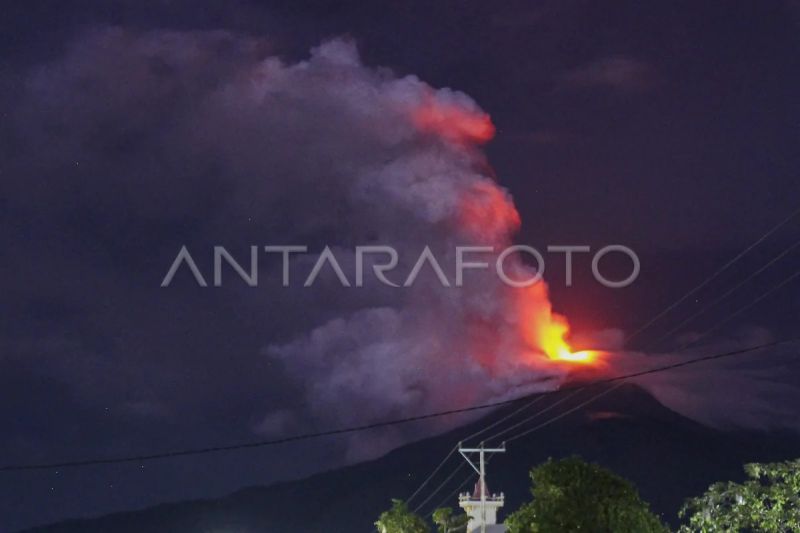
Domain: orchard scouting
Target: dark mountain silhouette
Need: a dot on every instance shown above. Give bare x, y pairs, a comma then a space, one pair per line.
668, 456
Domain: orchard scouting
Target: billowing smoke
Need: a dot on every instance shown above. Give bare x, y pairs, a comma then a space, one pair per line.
149, 141
424, 183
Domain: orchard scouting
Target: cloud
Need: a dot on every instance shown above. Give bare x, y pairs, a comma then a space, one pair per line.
616, 73
276, 424
756, 390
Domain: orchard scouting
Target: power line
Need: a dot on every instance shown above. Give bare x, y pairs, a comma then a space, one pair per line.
727, 293
741, 310
510, 415
526, 432
575, 390
454, 492
567, 412
524, 421
366, 427
471, 475
555, 418
713, 276
494, 424
441, 485
642, 328
428, 479
606, 391
469, 437
536, 415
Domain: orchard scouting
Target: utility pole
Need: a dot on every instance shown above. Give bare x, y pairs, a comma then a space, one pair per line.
480, 468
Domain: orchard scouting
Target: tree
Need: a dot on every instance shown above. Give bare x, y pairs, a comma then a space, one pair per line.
399, 519
448, 522
769, 501
573, 495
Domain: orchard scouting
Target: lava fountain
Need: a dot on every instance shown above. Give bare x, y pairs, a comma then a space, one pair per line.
545, 331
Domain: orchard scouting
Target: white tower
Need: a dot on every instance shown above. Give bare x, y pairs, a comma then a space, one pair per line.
480, 505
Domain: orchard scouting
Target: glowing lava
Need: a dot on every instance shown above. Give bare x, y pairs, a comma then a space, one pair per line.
583, 356
548, 331
554, 344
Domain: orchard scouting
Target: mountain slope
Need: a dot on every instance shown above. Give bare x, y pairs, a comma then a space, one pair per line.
669, 457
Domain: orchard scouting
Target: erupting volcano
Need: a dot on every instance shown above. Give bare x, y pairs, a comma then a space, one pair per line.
550, 332
557, 348
487, 214
424, 183
553, 342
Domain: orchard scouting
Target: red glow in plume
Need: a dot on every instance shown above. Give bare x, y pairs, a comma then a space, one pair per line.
453, 123
487, 214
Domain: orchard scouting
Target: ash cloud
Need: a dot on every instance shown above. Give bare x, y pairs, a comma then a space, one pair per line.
615, 73
130, 145
757, 390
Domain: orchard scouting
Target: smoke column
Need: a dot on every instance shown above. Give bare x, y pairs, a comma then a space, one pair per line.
429, 347
159, 139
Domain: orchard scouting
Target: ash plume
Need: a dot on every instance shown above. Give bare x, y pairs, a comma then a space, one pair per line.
162, 139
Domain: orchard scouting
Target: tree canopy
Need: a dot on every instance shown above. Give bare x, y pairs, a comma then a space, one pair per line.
448, 521
573, 495
399, 519
769, 501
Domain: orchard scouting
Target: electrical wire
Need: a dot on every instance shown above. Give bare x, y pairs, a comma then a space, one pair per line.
642, 328
454, 492
740, 311
713, 276
618, 382
607, 391
566, 413
528, 405
385, 423
469, 437
726, 294
533, 417
622, 380
428, 479
440, 487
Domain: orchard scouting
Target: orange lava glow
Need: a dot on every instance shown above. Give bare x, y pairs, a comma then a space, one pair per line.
548, 331
554, 344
